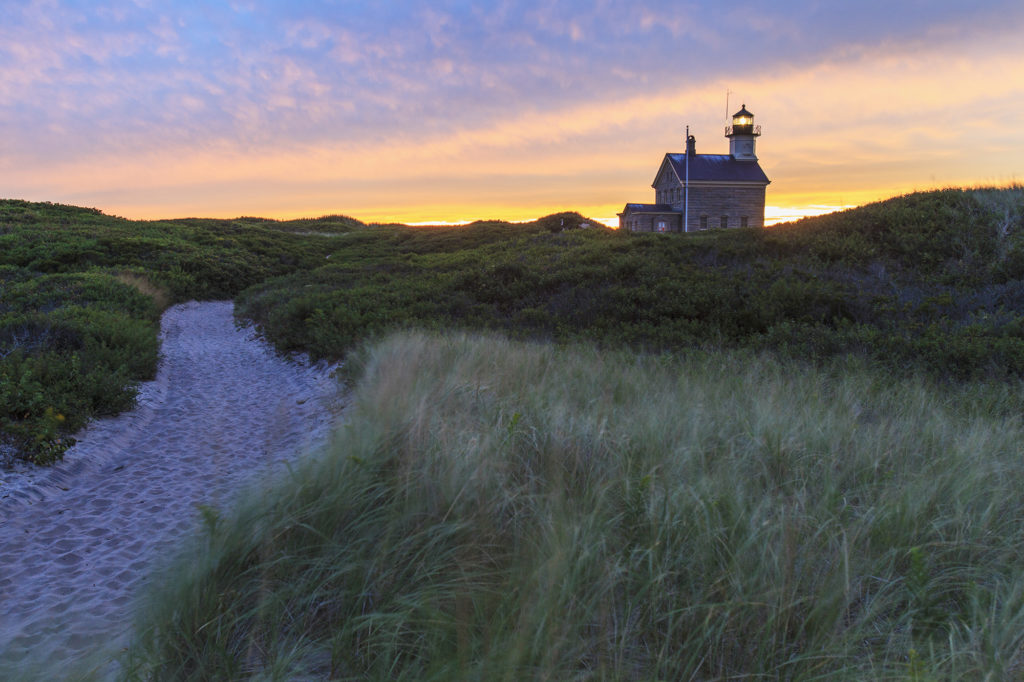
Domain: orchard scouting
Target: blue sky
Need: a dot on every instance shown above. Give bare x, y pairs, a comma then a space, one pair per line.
458, 110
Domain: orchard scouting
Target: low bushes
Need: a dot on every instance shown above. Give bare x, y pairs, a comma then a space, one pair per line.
80, 298
928, 282
71, 347
917, 283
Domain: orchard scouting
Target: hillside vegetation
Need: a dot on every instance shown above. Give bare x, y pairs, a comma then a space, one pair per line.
80, 298
787, 453
930, 282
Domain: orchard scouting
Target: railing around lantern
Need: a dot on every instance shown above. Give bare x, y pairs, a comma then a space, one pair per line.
742, 130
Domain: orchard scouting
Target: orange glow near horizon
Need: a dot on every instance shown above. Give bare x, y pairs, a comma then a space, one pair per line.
846, 124
455, 215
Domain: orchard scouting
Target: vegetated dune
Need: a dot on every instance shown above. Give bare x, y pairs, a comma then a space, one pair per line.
501, 510
796, 455
80, 297
930, 282
81, 293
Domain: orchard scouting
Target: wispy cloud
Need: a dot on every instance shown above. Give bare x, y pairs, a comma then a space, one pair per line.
129, 100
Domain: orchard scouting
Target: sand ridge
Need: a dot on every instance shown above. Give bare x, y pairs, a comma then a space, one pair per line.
78, 541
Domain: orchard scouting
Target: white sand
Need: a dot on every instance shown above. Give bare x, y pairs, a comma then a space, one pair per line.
78, 541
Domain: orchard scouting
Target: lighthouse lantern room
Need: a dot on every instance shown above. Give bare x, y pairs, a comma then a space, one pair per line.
743, 135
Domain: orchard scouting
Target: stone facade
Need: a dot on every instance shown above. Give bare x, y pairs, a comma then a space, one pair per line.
713, 205
725, 206
653, 221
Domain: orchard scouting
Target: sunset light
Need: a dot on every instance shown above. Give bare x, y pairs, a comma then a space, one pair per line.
317, 362
448, 112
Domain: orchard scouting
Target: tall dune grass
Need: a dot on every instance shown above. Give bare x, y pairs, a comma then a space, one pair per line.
504, 511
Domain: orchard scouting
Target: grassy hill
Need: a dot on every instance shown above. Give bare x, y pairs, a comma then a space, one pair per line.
791, 453
929, 283
80, 298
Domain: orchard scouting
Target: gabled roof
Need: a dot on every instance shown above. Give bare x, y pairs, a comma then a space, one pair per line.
716, 168
649, 208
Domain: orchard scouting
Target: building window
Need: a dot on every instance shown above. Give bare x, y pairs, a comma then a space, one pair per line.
662, 225
725, 221
743, 221
703, 222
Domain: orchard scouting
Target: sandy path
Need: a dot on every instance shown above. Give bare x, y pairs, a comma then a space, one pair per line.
76, 543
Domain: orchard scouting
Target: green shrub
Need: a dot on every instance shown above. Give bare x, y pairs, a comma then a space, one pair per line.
80, 298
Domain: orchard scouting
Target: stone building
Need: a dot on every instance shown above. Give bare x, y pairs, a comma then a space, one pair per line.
703, 191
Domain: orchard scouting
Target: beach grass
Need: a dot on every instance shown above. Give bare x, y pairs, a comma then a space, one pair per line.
499, 510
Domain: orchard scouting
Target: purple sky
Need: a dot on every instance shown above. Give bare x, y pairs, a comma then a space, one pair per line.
457, 110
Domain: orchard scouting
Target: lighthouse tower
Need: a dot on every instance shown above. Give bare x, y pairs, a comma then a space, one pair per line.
742, 135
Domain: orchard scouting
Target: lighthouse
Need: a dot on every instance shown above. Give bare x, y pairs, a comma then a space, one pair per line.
706, 191
743, 135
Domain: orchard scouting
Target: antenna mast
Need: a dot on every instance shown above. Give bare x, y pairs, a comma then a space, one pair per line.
686, 186
727, 93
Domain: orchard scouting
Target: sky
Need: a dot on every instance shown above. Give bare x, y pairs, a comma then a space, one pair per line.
453, 110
